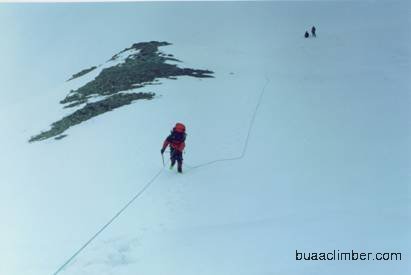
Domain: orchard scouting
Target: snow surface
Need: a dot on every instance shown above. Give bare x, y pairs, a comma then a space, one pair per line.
327, 164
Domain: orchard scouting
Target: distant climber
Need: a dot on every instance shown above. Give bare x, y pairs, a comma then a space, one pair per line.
176, 141
306, 35
313, 31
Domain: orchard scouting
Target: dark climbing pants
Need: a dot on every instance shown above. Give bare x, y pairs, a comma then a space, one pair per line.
176, 156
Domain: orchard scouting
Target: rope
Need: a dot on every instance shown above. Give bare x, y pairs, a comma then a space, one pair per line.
250, 128
69, 260
109, 222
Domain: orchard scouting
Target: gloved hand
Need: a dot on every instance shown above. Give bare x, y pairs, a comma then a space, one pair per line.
162, 150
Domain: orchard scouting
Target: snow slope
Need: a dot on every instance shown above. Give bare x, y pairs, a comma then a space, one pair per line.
326, 167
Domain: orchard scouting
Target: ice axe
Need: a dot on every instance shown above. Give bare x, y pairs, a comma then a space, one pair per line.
162, 156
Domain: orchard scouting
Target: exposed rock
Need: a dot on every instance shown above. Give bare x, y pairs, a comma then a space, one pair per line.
89, 111
60, 137
81, 73
144, 66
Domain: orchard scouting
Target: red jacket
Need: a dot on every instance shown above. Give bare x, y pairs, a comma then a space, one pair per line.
177, 145
176, 138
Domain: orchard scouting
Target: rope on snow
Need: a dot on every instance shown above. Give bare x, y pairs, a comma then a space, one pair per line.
154, 178
250, 128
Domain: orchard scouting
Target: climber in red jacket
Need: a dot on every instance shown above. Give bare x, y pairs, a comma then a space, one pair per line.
176, 141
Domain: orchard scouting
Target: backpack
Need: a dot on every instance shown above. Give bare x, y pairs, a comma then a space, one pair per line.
178, 134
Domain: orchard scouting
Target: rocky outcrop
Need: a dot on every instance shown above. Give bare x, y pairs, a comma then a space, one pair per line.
89, 111
81, 73
145, 65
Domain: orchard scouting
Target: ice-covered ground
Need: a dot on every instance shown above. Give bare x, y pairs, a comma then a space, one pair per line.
326, 167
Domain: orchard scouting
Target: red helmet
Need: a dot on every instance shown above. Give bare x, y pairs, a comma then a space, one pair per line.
180, 128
